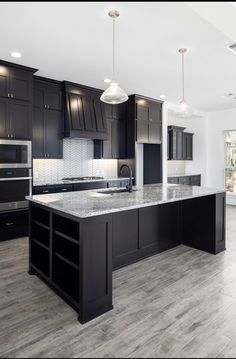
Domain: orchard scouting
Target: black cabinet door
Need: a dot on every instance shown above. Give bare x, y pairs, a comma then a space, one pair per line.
188, 146
4, 116
155, 112
89, 186
53, 97
89, 114
107, 144
21, 84
118, 139
179, 145
142, 111
53, 130
155, 133
38, 133
39, 94
76, 112
142, 129
100, 117
20, 120
4, 81
125, 237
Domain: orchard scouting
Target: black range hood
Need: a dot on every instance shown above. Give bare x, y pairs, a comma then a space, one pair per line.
85, 113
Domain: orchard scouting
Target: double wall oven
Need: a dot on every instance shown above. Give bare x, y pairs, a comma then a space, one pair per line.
15, 174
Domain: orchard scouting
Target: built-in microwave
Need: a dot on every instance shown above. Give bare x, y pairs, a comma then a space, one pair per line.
15, 154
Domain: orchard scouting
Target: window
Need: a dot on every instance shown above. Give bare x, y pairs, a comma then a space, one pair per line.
230, 161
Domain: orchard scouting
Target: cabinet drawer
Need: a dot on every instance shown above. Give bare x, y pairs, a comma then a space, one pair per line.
174, 180
195, 181
67, 188
89, 186
13, 225
185, 181
44, 190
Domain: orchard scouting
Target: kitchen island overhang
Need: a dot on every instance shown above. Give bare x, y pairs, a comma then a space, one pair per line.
78, 239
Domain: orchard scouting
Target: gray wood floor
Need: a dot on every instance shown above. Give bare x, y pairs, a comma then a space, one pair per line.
181, 303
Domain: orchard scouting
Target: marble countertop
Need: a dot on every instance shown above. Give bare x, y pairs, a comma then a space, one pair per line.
54, 183
184, 175
96, 202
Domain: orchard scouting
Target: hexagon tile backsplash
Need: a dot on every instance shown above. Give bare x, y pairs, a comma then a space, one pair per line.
77, 161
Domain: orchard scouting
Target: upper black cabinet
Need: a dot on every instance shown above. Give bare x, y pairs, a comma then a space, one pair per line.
180, 144
115, 146
47, 119
85, 113
16, 82
47, 95
188, 146
16, 88
148, 121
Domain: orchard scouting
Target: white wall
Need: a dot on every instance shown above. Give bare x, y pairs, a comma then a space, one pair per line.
217, 123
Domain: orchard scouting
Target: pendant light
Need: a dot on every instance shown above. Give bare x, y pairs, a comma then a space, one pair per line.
114, 94
183, 104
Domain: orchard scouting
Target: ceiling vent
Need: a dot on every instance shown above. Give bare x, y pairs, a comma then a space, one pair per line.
232, 48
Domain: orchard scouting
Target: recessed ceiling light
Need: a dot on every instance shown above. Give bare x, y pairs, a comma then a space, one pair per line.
162, 97
107, 81
16, 54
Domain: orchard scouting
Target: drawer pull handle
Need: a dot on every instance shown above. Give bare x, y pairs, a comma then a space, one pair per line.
45, 191
10, 224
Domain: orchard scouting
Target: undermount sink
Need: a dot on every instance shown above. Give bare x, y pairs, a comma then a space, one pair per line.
117, 190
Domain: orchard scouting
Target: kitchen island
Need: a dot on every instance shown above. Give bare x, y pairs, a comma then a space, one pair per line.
78, 239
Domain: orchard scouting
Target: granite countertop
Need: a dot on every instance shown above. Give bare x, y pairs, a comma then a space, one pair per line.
54, 183
184, 175
96, 202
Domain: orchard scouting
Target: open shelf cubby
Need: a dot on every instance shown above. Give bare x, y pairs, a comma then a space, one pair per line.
66, 277
40, 258
66, 248
40, 234
66, 227
40, 215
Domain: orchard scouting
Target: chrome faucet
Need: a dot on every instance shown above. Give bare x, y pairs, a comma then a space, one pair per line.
130, 185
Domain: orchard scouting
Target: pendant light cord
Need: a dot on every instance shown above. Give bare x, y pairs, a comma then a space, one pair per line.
114, 54
183, 78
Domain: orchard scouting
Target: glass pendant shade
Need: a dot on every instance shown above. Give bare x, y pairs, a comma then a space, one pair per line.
114, 94
183, 106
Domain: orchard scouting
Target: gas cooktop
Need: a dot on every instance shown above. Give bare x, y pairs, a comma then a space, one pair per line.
87, 178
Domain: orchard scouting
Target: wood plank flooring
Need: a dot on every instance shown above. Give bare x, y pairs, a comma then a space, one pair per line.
181, 303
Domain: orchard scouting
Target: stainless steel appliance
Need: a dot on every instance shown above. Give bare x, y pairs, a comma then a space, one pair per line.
15, 174
15, 154
15, 185
76, 179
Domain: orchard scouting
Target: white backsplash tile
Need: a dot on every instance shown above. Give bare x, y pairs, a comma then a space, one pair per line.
176, 168
78, 161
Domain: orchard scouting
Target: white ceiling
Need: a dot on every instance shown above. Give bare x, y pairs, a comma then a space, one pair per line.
73, 41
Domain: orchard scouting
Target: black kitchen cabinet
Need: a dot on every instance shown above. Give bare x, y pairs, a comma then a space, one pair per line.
47, 134
143, 123
16, 82
47, 94
15, 119
16, 89
115, 146
180, 144
148, 121
85, 113
90, 185
188, 146
47, 120
13, 225
186, 180
53, 189
176, 143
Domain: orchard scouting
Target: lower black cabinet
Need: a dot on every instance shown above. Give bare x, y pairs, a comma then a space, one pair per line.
186, 180
89, 186
13, 225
